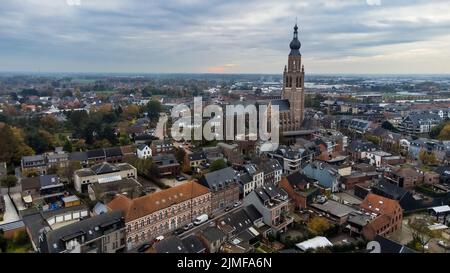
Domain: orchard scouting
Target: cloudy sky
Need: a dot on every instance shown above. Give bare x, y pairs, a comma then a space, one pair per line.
228, 36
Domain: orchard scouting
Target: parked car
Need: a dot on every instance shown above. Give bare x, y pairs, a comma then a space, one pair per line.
144, 247
178, 231
201, 219
188, 226
228, 208
181, 178
237, 204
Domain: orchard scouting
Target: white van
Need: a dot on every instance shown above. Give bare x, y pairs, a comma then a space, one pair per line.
201, 219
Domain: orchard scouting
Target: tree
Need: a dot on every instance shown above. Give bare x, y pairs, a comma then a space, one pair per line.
180, 153
427, 158
80, 145
12, 144
9, 182
68, 146
130, 112
49, 123
374, 139
218, 164
444, 134
318, 225
66, 172
153, 108
3, 242
421, 234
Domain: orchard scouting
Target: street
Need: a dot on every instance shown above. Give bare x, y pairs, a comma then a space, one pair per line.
193, 230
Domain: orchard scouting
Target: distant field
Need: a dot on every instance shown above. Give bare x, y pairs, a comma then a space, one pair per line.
84, 81
106, 91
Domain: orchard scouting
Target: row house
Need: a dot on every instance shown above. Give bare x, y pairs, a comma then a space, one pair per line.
358, 149
250, 177
224, 187
300, 188
272, 171
161, 146
43, 162
104, 233
162, 212
273, 204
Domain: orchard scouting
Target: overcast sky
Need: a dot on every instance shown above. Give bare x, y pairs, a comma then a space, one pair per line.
230, 36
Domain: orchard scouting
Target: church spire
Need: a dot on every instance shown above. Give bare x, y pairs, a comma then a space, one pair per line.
295, 43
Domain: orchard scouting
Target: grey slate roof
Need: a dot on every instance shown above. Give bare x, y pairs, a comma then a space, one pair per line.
192, 244
96, 153
91, 228
171, 244
78, 156
220, 176
213, 234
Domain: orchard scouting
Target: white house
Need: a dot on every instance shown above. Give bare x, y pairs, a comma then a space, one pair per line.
143, 151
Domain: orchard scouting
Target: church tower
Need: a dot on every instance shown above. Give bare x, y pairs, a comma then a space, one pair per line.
294, 83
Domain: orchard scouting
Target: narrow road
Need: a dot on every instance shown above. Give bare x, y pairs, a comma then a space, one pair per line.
193, 230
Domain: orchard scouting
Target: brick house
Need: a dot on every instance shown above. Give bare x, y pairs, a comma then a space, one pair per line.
162, 212
300, 189
167, 164
406, 178
223, 186
387, 216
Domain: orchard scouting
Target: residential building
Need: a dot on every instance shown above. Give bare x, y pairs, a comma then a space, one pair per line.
419, 123
161, 146
291, 159
143, 151
162, 212
103, 233
404, 177
167, 164
376, 158
300, 188
224, 188
250, 178
174, 244
241, 229
35, 190
328, 177
387, 216
358, 149
232, 153
272, 171
273, 204
358, 125
195, 160
213, 238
